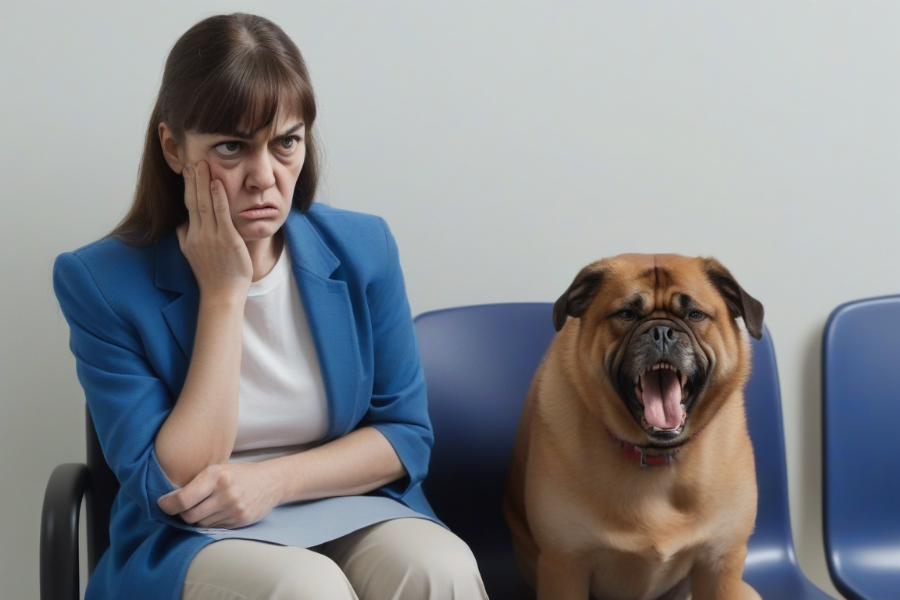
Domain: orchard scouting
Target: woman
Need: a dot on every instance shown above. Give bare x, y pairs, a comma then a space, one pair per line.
242, 348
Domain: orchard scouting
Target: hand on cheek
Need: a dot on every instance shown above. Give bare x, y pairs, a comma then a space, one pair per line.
216, 252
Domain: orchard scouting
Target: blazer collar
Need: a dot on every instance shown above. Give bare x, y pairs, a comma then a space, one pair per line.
307, 248
173, 272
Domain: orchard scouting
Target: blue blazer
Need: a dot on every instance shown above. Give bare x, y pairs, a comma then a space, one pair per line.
132, 314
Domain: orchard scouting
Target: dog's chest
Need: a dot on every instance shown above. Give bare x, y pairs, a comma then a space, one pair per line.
638, 550
618, 576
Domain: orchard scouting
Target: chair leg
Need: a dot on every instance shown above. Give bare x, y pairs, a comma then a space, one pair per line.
59, 532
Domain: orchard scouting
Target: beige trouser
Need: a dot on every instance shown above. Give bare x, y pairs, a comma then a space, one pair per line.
402, 559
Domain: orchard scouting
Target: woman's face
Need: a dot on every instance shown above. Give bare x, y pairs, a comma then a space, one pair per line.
258, 171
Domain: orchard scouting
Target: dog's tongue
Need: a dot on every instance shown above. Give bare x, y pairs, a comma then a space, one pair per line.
662, 399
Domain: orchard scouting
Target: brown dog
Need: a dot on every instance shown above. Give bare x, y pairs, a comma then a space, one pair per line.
632, 476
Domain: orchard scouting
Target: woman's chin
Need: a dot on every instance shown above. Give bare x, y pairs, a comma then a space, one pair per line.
258, 231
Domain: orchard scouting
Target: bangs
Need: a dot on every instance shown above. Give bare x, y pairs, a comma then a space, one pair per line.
248, 94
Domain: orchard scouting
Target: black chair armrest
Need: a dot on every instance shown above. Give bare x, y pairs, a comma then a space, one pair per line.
59, 532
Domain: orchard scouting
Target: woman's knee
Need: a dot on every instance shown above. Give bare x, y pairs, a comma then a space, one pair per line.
243, 569
444, 567
315, 577
412, 559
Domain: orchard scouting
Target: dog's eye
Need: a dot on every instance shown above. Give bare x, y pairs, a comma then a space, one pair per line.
626, 315
695, 315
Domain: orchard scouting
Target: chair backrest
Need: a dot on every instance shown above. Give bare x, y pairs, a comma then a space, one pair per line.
478, 363
860, 417
772, 541
100, 495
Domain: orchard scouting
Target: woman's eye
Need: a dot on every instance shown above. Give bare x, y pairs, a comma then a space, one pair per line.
228, 148
695, 315
289, 143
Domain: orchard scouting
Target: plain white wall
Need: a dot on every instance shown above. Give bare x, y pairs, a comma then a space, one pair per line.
507, 144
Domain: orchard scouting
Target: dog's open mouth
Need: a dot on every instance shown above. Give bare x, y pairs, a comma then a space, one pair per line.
660, 390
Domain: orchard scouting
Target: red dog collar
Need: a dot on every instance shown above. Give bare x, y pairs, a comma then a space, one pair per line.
638, 453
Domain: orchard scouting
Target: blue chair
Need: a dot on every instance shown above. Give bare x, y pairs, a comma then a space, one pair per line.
771, 566
478, 363
861, 483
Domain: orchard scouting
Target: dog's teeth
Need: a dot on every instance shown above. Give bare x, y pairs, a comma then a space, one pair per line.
656, 429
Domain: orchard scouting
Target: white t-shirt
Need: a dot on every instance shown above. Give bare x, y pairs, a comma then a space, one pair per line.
283, 406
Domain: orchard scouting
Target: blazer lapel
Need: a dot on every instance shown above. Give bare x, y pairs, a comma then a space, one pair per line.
173, 273
331, 322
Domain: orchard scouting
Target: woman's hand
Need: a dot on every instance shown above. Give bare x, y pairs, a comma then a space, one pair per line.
216, 252
229, 496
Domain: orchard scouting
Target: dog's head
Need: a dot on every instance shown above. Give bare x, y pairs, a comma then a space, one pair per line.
663, 335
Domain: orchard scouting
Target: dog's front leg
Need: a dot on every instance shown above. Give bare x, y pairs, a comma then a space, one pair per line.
722, 580
561, 577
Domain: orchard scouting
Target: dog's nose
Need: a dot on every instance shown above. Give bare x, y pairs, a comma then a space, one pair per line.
662, 336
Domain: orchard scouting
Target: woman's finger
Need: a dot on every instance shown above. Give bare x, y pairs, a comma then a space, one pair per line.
219, 519
221, 210
190, 193
194, 493
202, 514
204, 198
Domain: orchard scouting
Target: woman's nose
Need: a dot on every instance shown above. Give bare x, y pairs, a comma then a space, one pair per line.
260, 171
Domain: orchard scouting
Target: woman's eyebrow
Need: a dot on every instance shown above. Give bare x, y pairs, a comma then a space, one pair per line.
249, 136
292, 129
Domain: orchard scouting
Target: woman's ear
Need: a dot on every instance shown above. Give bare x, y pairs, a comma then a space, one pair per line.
172, 150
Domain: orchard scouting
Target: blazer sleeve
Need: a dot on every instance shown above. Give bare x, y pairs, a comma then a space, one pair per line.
399, 405
128, 402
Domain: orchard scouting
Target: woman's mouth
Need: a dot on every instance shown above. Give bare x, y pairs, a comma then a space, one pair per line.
264, 211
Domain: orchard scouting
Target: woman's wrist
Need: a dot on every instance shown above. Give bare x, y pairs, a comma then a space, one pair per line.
282, 480
227, 300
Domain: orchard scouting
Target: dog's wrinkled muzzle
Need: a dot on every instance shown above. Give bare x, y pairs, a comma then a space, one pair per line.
660, 365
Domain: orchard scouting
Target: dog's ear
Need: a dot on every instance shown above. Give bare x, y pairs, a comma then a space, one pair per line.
577, 298
740, 303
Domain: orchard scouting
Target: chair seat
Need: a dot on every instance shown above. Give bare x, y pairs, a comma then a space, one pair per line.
871, 571
776, 575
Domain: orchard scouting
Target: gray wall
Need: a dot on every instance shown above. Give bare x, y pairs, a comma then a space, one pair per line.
507, 144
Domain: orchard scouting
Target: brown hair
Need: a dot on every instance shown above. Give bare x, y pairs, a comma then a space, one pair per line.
228, 74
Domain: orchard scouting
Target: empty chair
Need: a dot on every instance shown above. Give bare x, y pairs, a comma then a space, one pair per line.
478, 363
771, 566
861, 483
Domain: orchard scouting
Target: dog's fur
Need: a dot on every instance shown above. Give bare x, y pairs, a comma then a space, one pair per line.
585, 516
